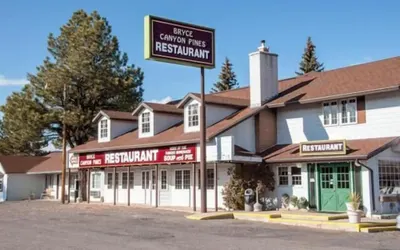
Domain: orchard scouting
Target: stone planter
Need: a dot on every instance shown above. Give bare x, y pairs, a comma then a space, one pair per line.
354, 216
350, 206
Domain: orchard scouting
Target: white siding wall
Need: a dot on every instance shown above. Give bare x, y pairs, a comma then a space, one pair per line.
167, 197
20, 186
299, 191
119, 127
214, 113
163, 121
388, 154
244, 134
300, 123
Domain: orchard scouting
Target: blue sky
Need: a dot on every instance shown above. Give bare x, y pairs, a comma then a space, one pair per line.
345, 32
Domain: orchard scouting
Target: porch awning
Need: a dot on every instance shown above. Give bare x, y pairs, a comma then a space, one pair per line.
361, 149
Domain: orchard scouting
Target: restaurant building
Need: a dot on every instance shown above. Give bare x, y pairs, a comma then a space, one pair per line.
324, 135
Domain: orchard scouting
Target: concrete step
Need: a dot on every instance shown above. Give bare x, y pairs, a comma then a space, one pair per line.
312, 216
378, 229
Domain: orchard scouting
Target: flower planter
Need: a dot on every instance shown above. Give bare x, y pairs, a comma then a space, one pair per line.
350, 206
354, 216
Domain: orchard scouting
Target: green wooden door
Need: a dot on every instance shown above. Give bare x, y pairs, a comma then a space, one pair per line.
334, 187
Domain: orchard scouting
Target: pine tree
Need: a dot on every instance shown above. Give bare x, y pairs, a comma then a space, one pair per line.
309, 60
227, 78
85, 56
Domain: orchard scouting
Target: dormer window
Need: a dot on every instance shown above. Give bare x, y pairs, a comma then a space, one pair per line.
103, 129
193, 115
146, 122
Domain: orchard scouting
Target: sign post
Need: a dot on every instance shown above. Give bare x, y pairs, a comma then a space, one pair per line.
186, 44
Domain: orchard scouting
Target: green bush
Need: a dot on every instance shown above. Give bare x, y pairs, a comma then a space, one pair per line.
244, 177
294, 201
303, 203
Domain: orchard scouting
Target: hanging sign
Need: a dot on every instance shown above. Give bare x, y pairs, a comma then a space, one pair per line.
175, 154
336, 147
181, 43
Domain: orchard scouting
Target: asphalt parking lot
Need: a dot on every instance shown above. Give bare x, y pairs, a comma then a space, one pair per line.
50, 225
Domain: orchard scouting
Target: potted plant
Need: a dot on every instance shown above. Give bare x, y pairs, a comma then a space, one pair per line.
353, 208
303, 203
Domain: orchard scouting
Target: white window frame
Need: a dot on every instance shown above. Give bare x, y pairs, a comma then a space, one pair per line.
122, 179
131, 179
166, 179
145, 185
281, 175
146, 122
389, 172
103, 129
182, 179
295, 175
193, 112
109, 182
339, 112
96, 180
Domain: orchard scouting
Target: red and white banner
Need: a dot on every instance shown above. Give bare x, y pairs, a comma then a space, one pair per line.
175, 154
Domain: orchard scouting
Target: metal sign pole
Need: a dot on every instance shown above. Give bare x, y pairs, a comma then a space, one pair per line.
203, 175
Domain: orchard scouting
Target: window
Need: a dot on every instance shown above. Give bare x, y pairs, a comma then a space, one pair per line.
153, 179
131, 180
193, 115
145, 179
104, 129
96, 180
124, 180
348, 112
330, 111
116, 180
210, 179
163, 179
296, 176
389, 177
146, 122
283, 176
109, 180
1, 185
182, 179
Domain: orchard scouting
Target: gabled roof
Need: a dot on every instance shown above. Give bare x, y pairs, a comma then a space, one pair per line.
115, 115
19, 164
174, 135
361, 149
352, 81
52, 164
215, 99
158, 108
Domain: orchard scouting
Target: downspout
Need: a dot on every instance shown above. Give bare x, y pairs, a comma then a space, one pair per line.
371, 179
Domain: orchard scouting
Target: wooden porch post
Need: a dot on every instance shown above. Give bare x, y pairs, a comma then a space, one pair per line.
69, 185
129, 186
194, 186
114, 187
216, 186
88, 185
156, 180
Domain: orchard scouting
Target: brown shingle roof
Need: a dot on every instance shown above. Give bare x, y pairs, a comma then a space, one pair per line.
361, 149
158, 108
19, 164
172, 136
115, 115
224, 100
164, 108
378, 76
52, 163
